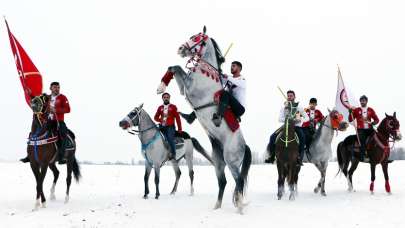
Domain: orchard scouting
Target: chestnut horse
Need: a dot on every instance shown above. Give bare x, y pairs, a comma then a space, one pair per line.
378, 150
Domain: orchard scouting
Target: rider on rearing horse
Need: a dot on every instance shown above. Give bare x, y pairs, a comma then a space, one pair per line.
301, 117
366, 118
233, 96
165, 115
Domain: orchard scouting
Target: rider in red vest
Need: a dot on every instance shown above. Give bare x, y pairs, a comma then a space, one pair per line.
166, 114
309, 127
365, 118
59, 105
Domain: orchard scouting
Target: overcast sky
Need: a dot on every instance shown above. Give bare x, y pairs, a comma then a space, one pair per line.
109, 56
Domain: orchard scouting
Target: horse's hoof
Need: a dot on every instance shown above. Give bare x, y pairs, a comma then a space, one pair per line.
323, 193
52, 197
217, 205
145, 197
240, 210
173, 193
372, 193
43, 205
157, 197
292, 197
316, 190
66, 199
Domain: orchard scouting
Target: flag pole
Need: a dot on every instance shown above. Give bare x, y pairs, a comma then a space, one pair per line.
351, 113
227, 50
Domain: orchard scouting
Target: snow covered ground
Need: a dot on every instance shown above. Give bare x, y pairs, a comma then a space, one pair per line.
111, 196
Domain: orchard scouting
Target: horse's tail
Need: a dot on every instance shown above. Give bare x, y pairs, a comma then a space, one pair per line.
201, 150
247, 161
339, 152
76, 170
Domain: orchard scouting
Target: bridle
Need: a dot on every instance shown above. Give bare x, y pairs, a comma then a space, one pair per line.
130, 120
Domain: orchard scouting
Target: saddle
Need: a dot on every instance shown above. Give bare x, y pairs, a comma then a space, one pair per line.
179, 139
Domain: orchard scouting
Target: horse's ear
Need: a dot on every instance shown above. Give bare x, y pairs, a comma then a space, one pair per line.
386, 115
140, 106
329, 110
395, 115
204, 29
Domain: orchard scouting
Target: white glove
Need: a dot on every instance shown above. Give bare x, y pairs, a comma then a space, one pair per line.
161, 88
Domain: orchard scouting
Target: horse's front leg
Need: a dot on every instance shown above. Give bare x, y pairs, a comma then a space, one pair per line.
372, 169
384, 166
177, 173
55, 172
148, 169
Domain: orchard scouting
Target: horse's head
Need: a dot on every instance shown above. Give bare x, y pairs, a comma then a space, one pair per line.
195, 45
40, 104
337, 121
132, 119
391, 126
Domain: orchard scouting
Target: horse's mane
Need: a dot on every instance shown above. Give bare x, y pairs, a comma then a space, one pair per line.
218, 54
318, 132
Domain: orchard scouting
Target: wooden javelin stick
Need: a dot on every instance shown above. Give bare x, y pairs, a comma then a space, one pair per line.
227, 50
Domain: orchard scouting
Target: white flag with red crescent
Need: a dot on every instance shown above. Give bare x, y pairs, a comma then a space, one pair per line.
344, 98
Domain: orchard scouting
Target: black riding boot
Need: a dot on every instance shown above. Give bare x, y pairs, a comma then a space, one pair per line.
25, 160
217, 117
189, 117
61, 152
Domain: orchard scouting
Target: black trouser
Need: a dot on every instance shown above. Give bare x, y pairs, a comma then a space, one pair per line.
363, 135
301, 138
169, 133
228, 100
309, 133
60, 127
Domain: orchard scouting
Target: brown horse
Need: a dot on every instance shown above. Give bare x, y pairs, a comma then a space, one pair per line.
287, 157
42, 151
378, 150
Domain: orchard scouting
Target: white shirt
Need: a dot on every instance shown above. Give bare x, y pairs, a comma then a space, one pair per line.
165, 113
52, 104
364, 114
239, 92
303, 116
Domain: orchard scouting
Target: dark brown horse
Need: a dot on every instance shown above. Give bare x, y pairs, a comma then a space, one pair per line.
287, 155
378, 150
42, 151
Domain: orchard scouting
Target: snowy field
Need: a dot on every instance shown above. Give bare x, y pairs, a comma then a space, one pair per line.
111, 196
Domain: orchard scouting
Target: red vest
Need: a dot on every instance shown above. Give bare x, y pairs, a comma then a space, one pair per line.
358, 115
61, 107
317, 118
172, 114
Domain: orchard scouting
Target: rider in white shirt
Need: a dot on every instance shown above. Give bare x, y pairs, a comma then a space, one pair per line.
234, 95
301, 117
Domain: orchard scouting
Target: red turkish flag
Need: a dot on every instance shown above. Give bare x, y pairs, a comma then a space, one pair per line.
30, 77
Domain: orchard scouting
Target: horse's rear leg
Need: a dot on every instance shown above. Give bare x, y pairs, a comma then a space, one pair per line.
384, 166
177, 172
55, 172
148, 169
372, 169
69, 167
189, 160
157, 179
353, 167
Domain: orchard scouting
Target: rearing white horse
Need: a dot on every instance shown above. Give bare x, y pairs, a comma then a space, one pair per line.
199, 86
